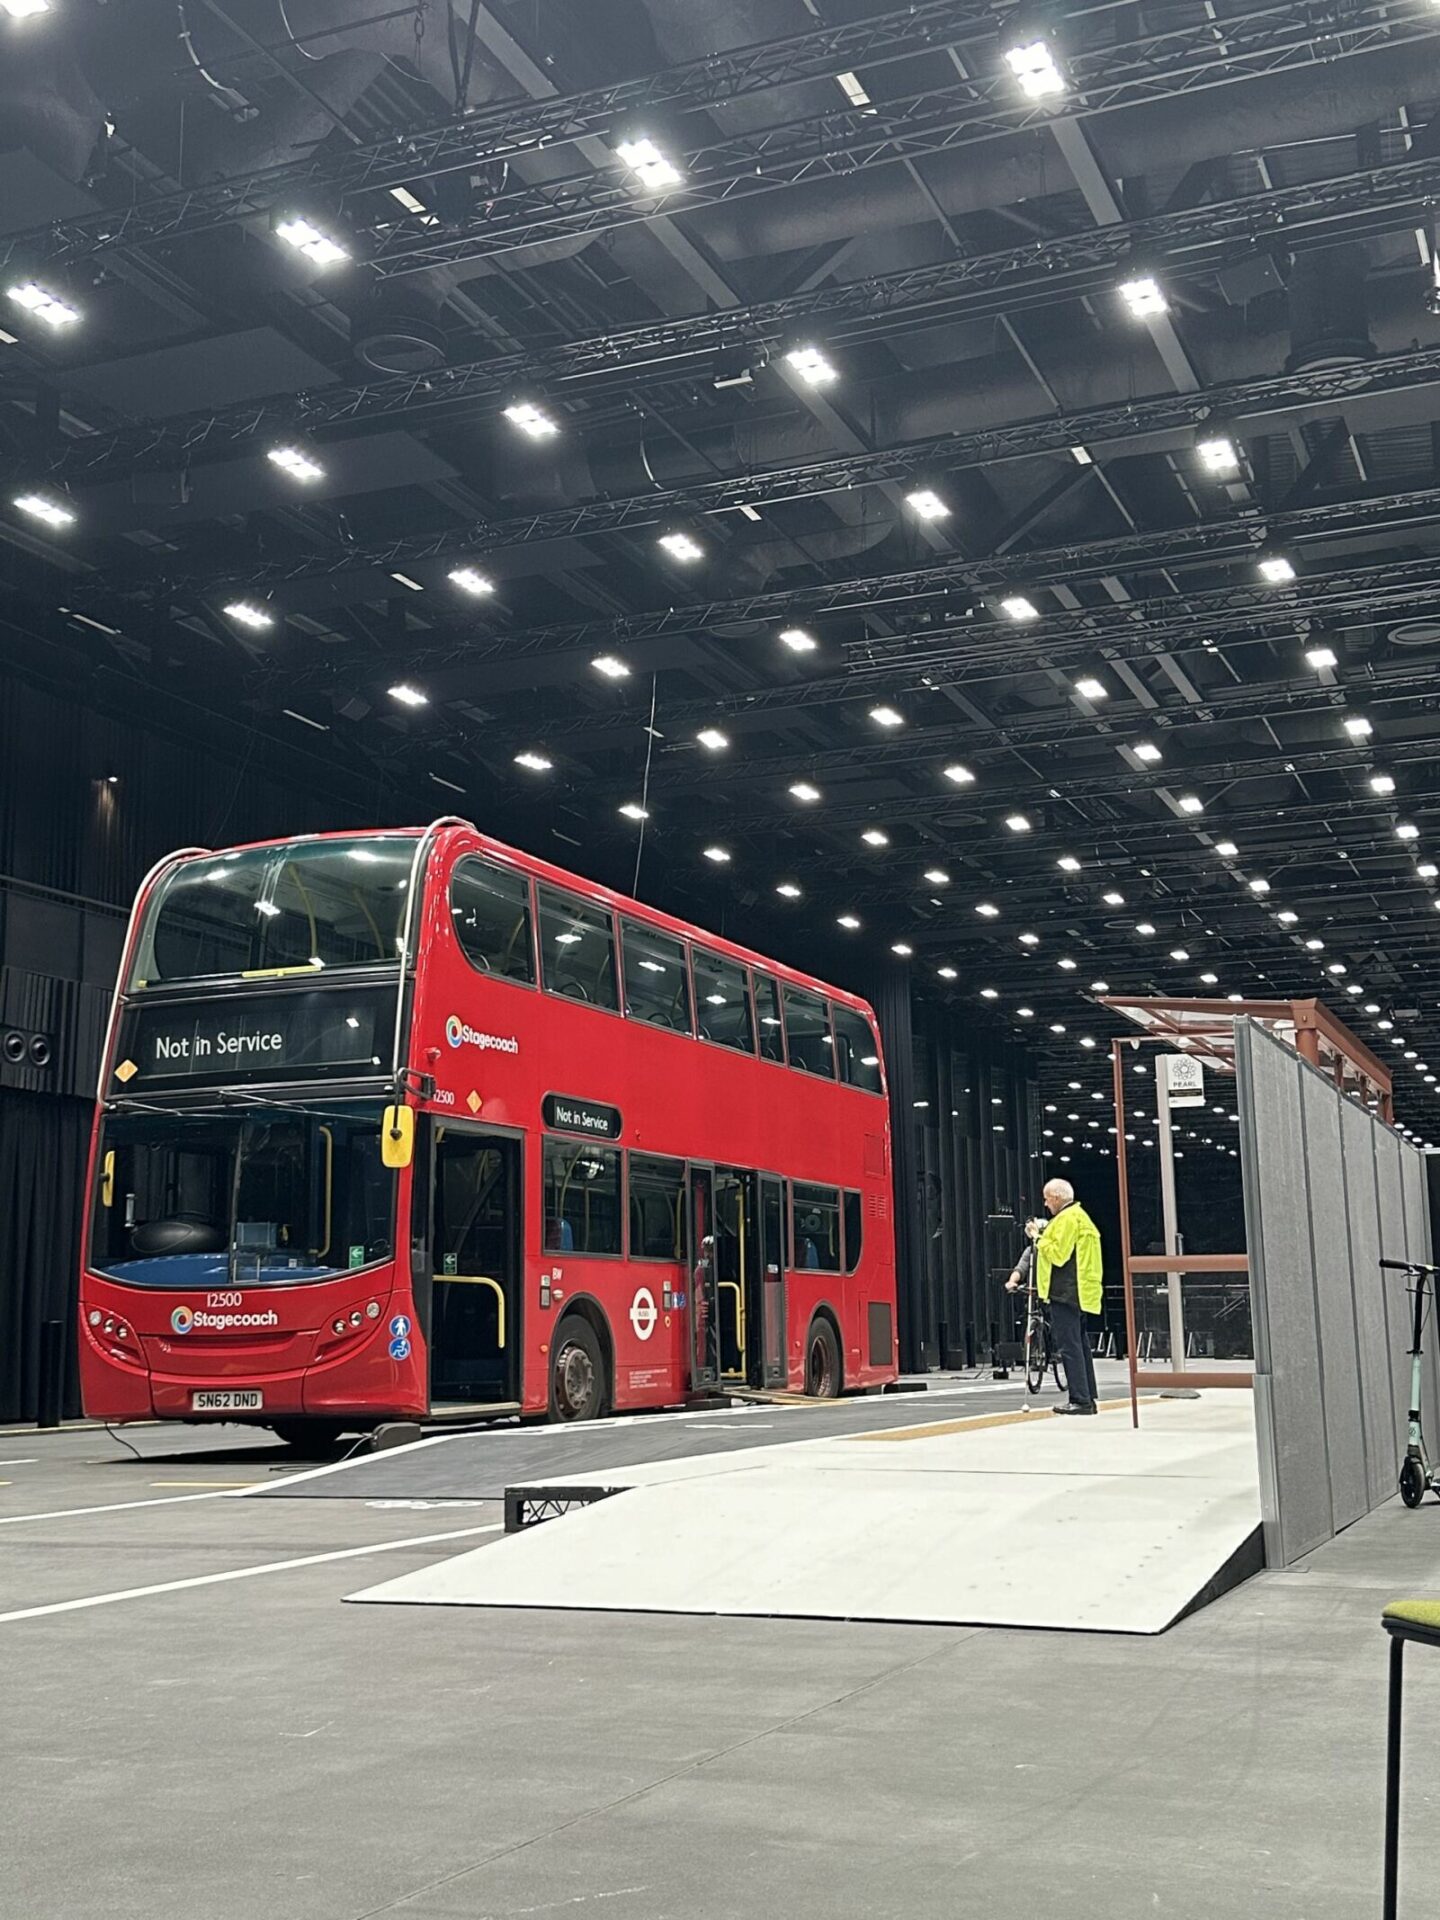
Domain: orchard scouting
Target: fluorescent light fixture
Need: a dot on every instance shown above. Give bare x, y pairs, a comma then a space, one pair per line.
798, 641
1382, 783
247, 614
928, 504
1407, 830
848, 921
887, 717
317, 246
40, 506
1337, 967
720, 855
1144, 928
407, 695
1017, 822
469, 581
802, 790
989, 993
1024, 1013
1180, 953
1147, 751
1113, 899
632, 810
811, 366
1099, 986
1427, 870
875, 837
681, 547
1067, 965
1082, 456
1190, 803
533, 762
1086, 1041
960, 776
454, 787
947, 973
1209, 979
1034, 67
902, 948
303, 718
1358, 727
1314, 945
610, 667
295, 462
531, 420
1276, 569
1320, 658
936, 876
986, 910
1287, 917
788, 890
1029, 939
750, 513
1259, 886
45, 305
1144, 297
852, 89
648, 163
411, 202
1018, 608
1092, 689
1219, 456
404, 580
1067, 863
1226, 849
712, 739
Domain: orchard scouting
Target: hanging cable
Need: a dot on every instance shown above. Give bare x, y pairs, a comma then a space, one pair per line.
304, 52
236, 102
645, 785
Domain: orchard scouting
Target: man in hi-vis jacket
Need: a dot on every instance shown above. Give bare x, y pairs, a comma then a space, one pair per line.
1068, 1275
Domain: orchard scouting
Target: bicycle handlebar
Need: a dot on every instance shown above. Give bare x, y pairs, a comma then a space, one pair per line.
1410, 1266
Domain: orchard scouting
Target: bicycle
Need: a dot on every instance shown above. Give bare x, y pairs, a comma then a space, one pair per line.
1041, 1354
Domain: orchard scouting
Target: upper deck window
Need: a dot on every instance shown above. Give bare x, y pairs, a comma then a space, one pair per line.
807, 1029
577, 949
856, 1048
490, 911
722, 994
313, 904
657, 982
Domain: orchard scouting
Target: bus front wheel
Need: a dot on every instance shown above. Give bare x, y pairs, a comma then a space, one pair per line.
822, 1362
577, 1372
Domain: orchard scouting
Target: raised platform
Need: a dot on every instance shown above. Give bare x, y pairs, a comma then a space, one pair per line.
1003, 1521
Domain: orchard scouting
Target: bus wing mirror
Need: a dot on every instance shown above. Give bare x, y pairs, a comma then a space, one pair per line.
397, 1136
107, 1180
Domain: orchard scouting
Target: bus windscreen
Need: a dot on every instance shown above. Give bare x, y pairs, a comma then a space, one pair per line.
270, 1196
306, 905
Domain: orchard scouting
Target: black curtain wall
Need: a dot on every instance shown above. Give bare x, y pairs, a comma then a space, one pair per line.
43, 1144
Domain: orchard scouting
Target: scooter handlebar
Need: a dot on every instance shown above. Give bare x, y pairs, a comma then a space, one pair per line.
1410, 1266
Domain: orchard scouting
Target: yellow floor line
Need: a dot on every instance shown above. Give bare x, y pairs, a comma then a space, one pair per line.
978, 1421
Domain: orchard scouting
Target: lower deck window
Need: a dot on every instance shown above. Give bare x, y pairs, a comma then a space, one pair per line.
817, 1227
582, 1198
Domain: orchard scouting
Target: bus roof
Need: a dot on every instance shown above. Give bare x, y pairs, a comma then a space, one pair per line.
451, 827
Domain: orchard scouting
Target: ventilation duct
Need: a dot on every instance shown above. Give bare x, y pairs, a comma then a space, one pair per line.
1329, 309
397, 328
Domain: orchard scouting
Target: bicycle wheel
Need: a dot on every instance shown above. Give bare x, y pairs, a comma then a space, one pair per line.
1036, 1358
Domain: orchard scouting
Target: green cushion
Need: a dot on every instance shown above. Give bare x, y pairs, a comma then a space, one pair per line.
1424, 1614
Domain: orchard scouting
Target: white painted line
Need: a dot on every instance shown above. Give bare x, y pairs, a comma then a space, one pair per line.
240, 1573
359, 1460
19, 1463
116, 1506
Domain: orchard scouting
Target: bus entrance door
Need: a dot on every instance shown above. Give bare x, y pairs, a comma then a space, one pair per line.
475, 1253
769, 1284
700, 1255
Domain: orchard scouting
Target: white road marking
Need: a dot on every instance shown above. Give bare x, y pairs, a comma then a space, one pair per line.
19, 1463
120, 1506
240, 1573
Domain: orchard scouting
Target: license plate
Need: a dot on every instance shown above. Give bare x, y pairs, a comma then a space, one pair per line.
230, 1400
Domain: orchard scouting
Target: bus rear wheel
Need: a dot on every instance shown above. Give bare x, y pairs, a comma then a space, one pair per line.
308, 1436
578, 1388
822, 1362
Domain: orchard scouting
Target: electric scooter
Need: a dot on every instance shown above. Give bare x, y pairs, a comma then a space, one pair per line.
1415, 1474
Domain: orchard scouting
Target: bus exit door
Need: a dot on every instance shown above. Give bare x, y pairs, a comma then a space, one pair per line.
749, 1277
475, 1267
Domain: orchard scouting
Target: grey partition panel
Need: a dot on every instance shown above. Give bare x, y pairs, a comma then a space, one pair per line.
1334, 1300
1391, 1197
1287, 1347
1374, 1338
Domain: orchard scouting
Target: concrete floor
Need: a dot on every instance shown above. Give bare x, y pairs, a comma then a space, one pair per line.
253, 1747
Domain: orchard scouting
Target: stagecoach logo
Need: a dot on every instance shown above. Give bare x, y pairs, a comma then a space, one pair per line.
182, 1319
459, 1035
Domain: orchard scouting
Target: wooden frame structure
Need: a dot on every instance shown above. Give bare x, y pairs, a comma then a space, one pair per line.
1206, 1029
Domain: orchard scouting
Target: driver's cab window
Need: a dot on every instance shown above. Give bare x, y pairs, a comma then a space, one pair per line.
577, 950
490, 912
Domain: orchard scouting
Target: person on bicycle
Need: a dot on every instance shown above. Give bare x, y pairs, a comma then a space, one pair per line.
1069, 1277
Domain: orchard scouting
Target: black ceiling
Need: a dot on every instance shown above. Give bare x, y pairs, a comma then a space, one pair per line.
870, 184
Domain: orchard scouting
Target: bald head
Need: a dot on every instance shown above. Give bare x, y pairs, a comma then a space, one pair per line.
1058, 1194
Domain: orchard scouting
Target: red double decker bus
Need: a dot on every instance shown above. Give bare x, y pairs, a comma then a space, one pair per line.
399, 1123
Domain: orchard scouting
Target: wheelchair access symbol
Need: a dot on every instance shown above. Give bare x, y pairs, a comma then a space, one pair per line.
399, 1349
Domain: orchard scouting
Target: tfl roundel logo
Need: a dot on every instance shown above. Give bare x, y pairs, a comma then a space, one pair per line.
182, 1319
454, 1030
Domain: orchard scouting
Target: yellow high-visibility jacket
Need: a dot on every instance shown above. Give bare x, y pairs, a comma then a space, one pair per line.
1067, 1255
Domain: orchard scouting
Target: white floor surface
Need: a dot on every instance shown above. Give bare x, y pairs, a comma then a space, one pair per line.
1081, 1524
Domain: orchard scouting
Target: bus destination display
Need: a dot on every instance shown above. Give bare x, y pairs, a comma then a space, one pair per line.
275, 1037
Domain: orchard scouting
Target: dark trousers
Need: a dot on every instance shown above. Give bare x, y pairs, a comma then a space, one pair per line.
1068, 1324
